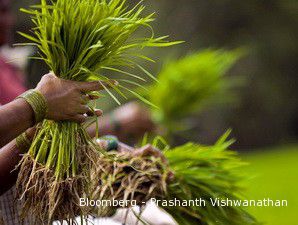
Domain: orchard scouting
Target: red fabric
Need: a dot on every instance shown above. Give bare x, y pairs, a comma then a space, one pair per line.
11, 84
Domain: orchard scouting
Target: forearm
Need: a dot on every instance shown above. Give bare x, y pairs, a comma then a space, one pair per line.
105, 127
129, 123
15, 118
9, 159
10, 156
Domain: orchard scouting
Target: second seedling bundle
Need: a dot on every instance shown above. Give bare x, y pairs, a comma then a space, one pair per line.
79, 40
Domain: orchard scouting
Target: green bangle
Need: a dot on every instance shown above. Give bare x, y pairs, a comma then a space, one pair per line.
112, 145
113, 142
23, 143
38, 103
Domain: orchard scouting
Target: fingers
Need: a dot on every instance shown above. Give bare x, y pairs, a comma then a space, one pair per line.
50, 75
123, 148
94, 86
82, 109
85, 109
89, 86
149, 150
96, 112
103, 144
93, 97
79, 118
84, 112
85, 99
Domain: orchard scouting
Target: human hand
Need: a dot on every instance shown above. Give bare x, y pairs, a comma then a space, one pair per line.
134, 120
67, 100
149, 150
145, 151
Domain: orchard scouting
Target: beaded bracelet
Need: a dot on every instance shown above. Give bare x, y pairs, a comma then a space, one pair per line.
38, 103
23, 143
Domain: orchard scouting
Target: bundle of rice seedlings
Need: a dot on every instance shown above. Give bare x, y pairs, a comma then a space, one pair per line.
128, 180
207, 173
201, 173
77, 39
188, 85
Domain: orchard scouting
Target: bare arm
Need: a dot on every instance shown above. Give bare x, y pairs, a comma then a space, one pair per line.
8, 175
66, 100
128, 122
106, 127
15, 118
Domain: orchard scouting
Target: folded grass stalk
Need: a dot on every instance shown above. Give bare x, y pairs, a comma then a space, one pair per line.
200, 172
78, 40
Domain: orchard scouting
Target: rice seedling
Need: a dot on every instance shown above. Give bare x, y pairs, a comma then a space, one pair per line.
206, 173
200, 173
188, 85
78, 40
134, 180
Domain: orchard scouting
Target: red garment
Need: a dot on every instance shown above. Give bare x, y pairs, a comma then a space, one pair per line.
11, 84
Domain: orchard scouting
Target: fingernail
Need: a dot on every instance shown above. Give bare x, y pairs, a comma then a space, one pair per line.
99, 112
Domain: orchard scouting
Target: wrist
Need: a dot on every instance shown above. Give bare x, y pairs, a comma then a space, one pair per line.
23, 142
37, 102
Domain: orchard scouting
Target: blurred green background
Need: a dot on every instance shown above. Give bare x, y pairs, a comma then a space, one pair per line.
265, 114
274, 175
